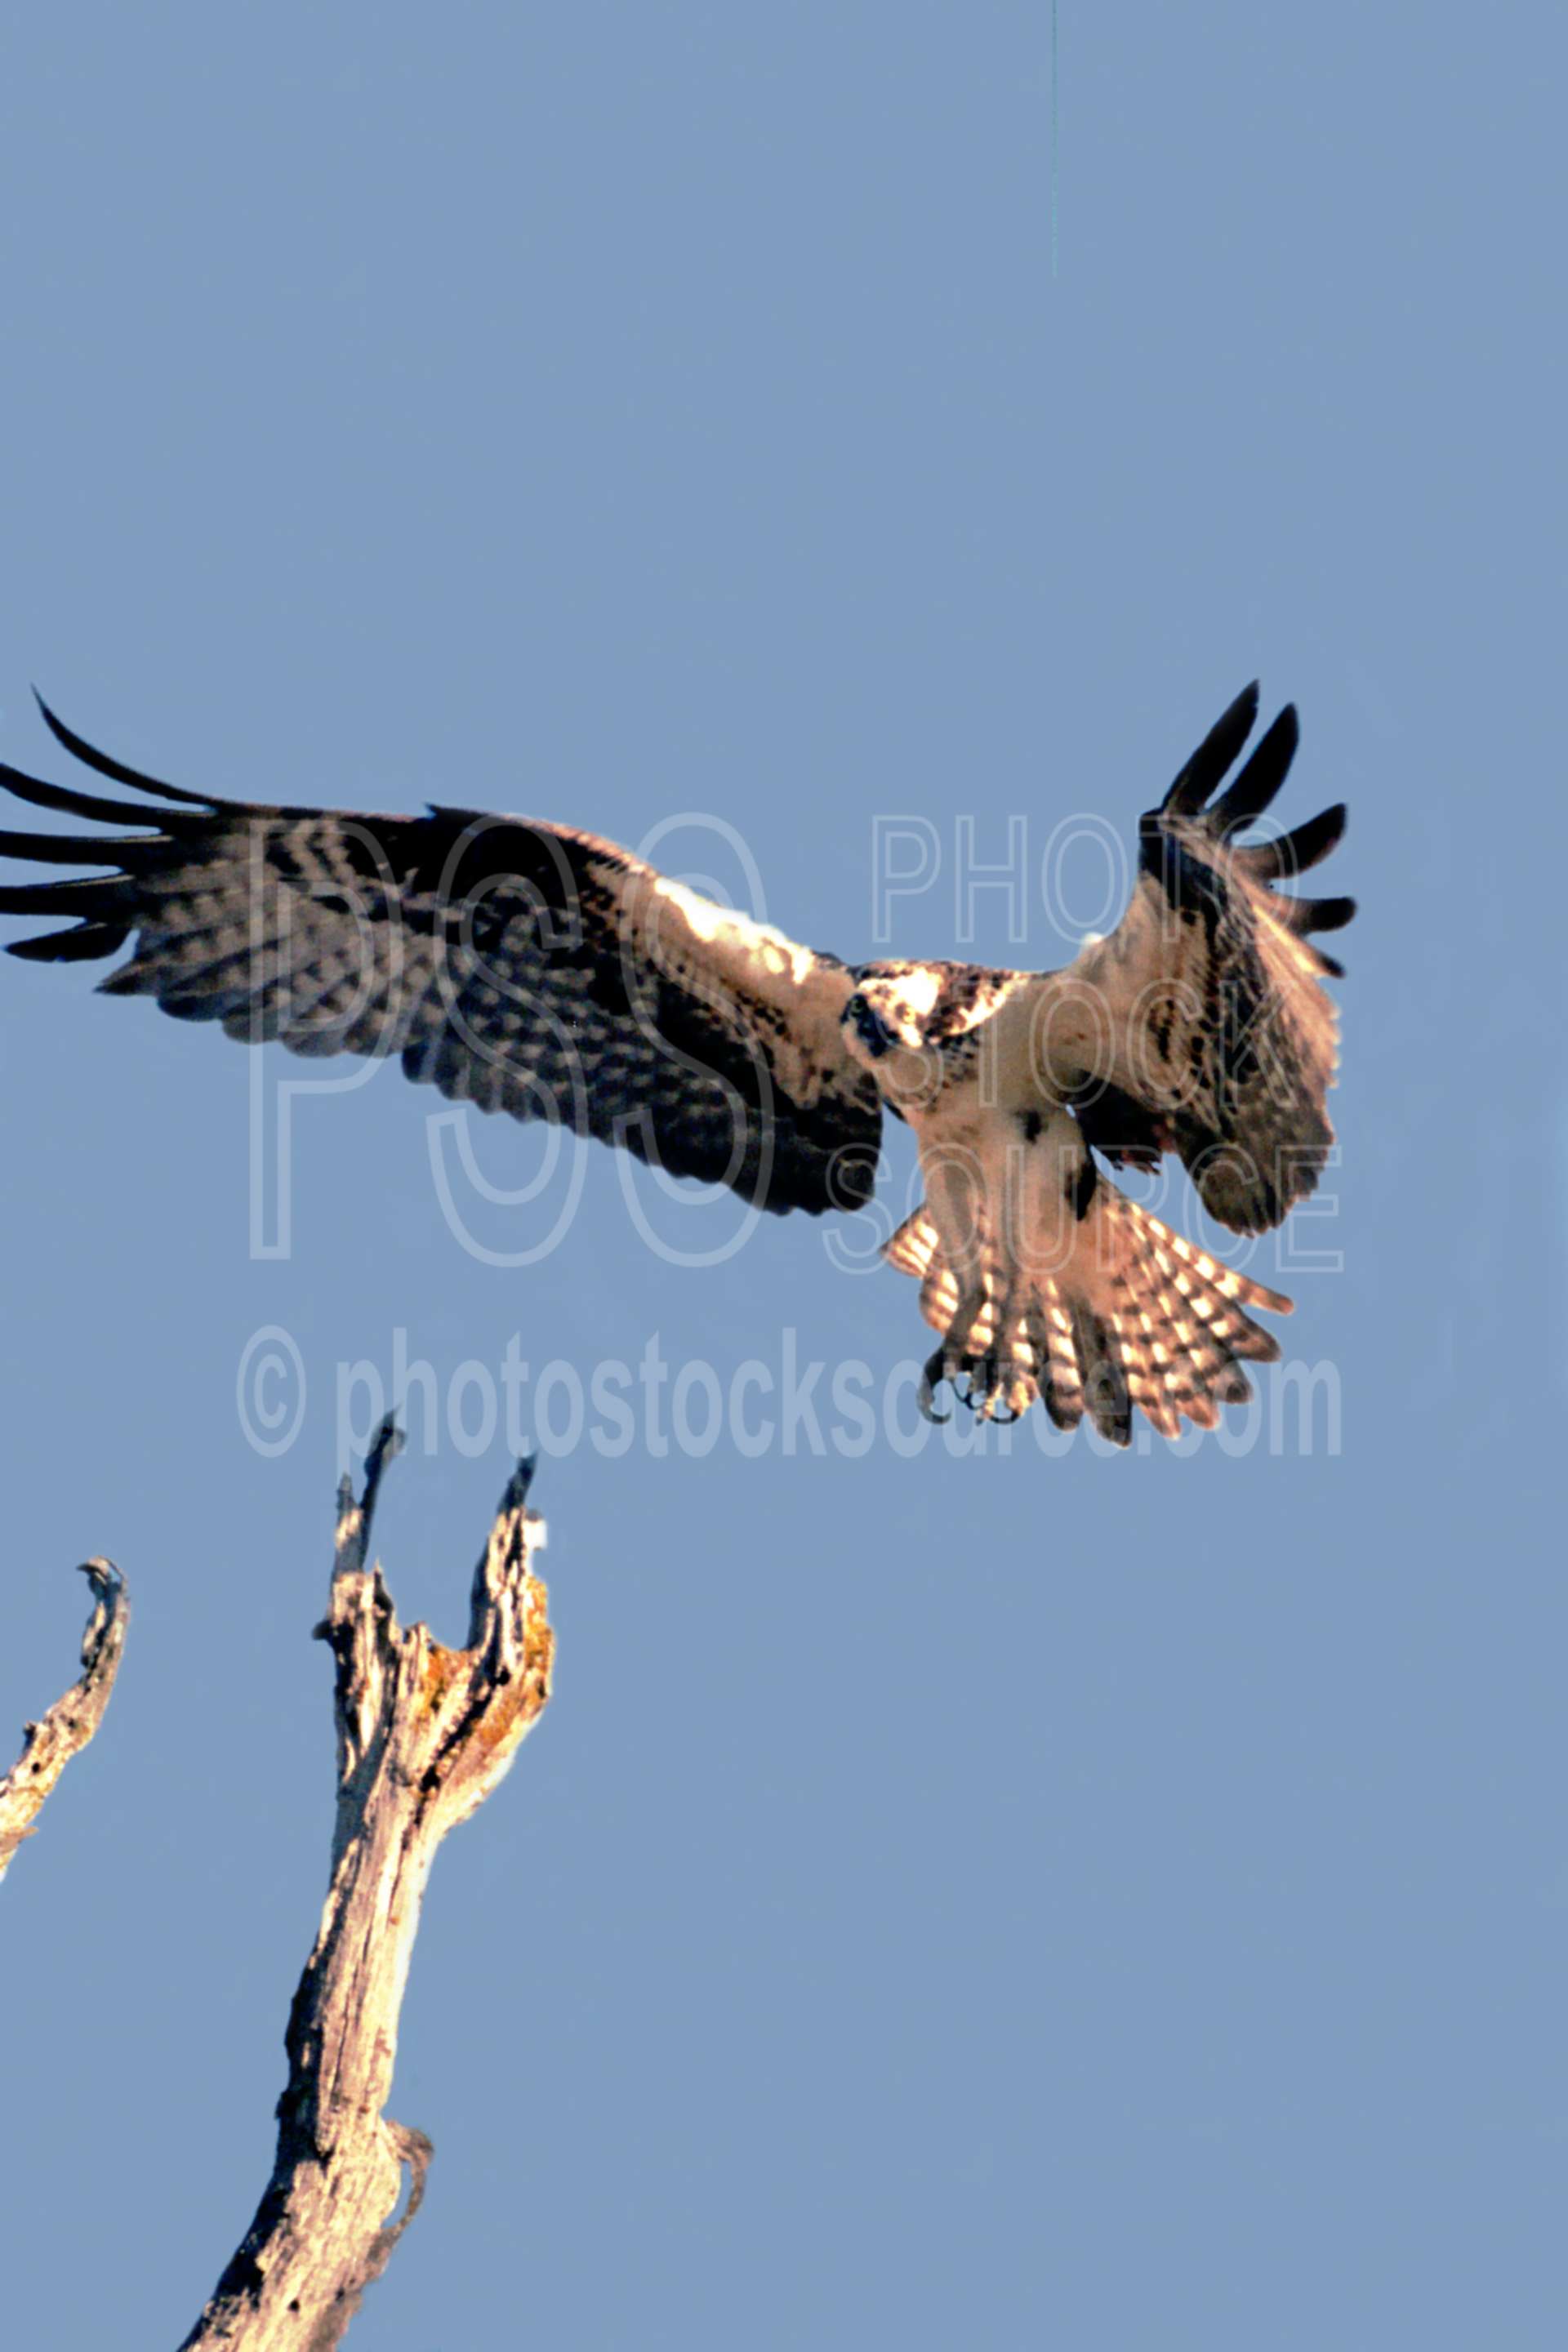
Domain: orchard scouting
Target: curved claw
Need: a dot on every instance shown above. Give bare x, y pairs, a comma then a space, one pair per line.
933, 1375
990, 1386
1000, 1389
1004, 1412
983, 1375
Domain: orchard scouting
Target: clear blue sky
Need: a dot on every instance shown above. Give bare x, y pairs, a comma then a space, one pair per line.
1116, 1903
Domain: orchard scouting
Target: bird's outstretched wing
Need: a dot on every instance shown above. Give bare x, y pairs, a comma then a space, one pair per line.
1200, 1025
519, 966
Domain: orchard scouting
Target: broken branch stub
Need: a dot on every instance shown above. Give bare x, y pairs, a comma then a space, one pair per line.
49, 1745
425, 1733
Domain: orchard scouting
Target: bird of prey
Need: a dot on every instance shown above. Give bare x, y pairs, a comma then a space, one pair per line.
532, 968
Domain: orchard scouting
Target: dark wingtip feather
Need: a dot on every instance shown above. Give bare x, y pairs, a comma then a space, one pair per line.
127, 849
1261, 778
1320, 914
1213, 758
1293, 852
84, 943
71, 803
80, 748
1304, 916
87, 894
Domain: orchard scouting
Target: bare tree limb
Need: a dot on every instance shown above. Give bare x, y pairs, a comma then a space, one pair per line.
49, 1745
424, 1735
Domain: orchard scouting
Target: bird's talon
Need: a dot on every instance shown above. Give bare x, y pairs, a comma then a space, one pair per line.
932, 1377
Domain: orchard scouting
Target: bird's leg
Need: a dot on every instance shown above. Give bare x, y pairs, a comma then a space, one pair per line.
1000, 1386
946, 1362
1000, 1382
956, 1199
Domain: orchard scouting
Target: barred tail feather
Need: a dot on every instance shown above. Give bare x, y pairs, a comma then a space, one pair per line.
1135, 1317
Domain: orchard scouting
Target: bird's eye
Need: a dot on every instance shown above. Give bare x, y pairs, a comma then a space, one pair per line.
871, 1029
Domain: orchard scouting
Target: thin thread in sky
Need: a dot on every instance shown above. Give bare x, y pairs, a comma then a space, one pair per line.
1053, 138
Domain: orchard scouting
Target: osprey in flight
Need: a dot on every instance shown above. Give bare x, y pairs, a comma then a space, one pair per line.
528, 967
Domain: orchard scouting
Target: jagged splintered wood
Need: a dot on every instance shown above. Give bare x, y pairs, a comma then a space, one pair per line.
49, 1745
424, 1735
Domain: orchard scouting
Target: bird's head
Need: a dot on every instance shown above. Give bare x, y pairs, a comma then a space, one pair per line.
884, 1024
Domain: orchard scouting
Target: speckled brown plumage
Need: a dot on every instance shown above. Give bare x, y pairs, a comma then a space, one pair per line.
534, 970
523, 966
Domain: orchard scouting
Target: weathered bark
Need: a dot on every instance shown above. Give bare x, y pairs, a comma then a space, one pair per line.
424, 1735
49, 1745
